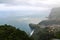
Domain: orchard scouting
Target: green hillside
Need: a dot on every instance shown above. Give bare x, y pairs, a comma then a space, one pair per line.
8, 32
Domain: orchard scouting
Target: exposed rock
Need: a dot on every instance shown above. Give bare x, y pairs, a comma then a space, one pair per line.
53, 19
35, 28
49, 22
55, 14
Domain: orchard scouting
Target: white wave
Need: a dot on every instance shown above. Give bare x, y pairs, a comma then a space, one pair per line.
32, 33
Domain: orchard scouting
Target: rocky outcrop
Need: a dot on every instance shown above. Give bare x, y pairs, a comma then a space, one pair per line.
53, 19
55, 14
35, 28
49, 22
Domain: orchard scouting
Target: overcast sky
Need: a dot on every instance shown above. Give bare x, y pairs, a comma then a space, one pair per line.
28, 4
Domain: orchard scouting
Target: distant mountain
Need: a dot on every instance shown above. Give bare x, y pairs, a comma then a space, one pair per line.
53, 19
55, 14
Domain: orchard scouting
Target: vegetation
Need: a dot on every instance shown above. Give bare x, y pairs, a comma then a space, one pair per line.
47, 33
8, 32
57, 35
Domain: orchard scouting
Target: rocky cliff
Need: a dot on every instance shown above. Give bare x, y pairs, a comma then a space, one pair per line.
55, 14
53, 19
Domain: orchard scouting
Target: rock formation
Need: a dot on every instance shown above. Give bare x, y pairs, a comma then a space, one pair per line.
55, 14
53, 19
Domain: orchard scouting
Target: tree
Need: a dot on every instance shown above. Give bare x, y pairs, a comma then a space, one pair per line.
44, 34
8, 32
57, 35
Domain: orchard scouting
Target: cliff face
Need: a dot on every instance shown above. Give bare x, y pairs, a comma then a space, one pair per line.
55, 14
53, 19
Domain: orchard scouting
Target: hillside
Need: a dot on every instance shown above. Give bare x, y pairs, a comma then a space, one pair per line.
8, 32
55, 14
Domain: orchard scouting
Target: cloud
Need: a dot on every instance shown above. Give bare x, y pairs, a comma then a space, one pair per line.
20, 7
40, 3
15, 7
6, 1
31, 20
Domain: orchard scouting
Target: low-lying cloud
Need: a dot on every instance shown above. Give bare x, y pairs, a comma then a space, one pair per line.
43, 3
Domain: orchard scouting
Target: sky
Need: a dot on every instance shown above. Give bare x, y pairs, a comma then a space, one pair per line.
28, 4
13, 8
34, 5
31, 5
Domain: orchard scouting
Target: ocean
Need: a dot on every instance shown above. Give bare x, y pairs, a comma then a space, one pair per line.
21, 20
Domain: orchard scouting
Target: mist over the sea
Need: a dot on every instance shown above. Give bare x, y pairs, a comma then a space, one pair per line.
21, 19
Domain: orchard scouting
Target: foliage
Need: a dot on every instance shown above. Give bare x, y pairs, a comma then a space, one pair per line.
45, 34
8, 32
57, 35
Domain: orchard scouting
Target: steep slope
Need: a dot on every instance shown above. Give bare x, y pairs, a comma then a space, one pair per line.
55, 14
53, 19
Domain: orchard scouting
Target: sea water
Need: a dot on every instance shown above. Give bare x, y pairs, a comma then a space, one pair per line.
22, 19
